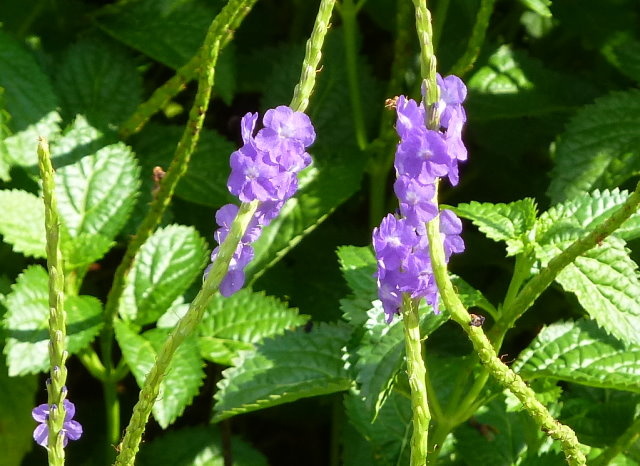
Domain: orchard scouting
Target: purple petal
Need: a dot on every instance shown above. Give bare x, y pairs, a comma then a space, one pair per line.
41, 435
40, 413
73, 429
70, 410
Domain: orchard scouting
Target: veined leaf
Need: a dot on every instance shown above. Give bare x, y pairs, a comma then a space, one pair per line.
22, 222
580, 352
283, 369
27, 322
182, 379
358, 265
502, 222
600, 148
163, 269
237, 323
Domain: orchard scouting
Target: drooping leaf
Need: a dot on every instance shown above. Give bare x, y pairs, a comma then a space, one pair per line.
600, 147
18, 395
512, 84
163, 269
96, 194
98, 80
27, 322
22, 222
170, 31
197, 446
182, 378
283, 369
580, 352
502, 222
237, 323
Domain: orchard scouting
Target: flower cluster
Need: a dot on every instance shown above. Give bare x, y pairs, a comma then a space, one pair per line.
264, 169
422, 156
71, 430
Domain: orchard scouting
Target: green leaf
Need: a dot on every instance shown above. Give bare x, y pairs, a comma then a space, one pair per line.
600, 147
96, 194
358, 266
170, 31
622, 50
513, 84
18, 395
605, 281
27, 322
587, 211
538, 6
502, 222
182, 378
100, 81
580, 352
163, 269
197, 446
84, 249
78, 140
205, 182
283, 369
22, 222
237, 323
389, 435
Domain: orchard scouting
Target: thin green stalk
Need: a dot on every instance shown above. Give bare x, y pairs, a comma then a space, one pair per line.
91, 361
439, 18
304, 88
547, 275
163, 95
56, 390
184, 328
466, 61
416, 372
623, 443
349, 13
427, 61
483, 347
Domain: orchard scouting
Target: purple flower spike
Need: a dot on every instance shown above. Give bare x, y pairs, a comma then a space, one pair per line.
71, 430
285, 131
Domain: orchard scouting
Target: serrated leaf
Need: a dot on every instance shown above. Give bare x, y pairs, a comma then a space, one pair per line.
513, 84
27, 322
197, 446
283, 369
96, 194
237, 323
580, 352
78, 140
84, 249
389, 435
100, 81
182, 378
205, 182
600, 147
502, 222
16, 425
358, 266
170, 32
22, 222
587, 211
163, 269
605, 281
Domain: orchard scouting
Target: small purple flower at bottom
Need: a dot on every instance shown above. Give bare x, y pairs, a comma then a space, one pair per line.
71, 430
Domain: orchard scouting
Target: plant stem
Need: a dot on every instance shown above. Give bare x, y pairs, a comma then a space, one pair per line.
56, 390
487, 355
163, 95
547, 275
416, 372
348, 12
427, 62
630, 436
466, 61
304, 88
439, 18
184, 328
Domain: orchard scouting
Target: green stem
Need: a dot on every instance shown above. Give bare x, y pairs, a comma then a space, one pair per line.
466, 61
439, 18
427, 62
547, 275
624, 442
163, 95
90, 360
304, 88
112, 415
487, 355
416, 372
348, 12
184, 328
56, 390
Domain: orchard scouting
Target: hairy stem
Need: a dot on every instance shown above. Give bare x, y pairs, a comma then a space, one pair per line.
466, 61
56, 390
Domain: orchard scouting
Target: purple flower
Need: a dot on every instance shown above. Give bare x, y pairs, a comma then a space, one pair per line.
71, 430
416, 200
452, 94
410, 116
